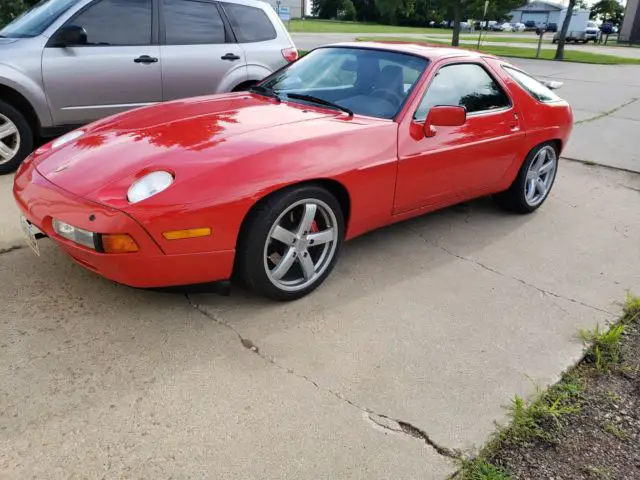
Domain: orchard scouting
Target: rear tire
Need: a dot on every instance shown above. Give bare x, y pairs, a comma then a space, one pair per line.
16, 138
534, 181
290, 243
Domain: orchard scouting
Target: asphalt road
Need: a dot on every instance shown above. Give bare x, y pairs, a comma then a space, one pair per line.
436, 322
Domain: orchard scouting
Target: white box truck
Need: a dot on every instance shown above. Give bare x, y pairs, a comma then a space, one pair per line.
581, 29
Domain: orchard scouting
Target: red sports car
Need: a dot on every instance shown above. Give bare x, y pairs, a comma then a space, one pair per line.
266, 185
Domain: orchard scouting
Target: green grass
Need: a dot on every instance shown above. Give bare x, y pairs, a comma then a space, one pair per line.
619, 433
605, 346
480, 470
521, 52
330, 26
501, 38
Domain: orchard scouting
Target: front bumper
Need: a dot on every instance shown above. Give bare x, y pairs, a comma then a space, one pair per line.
40, 201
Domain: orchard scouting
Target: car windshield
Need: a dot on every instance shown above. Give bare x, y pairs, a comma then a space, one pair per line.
365, 81
37, 19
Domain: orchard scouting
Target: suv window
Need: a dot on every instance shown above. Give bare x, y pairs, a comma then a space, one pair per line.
116, 22
249, 24
467, 85
189, 22
532, 86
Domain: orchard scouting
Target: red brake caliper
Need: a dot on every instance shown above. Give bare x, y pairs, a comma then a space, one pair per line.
314, 227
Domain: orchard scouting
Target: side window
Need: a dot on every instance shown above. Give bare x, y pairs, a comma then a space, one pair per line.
467, 85
532, 86
249, 24
117, 22
189, 22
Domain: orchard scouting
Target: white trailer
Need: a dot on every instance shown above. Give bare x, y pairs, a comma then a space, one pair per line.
581, 29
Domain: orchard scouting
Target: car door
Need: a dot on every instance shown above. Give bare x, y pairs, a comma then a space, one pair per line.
460, 160
199, 56
117, 69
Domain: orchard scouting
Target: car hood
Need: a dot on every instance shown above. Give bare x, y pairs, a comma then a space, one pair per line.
172, 136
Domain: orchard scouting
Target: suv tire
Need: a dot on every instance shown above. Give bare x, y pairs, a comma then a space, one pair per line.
17, 137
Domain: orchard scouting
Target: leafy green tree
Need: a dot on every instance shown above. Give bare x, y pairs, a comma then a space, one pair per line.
348, 11
10, 9
607, 10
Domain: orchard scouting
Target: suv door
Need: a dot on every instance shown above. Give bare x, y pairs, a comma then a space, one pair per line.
117, 69
199, 56
459, 161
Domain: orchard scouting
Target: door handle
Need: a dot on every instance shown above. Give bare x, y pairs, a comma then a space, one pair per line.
145, 59
230, 56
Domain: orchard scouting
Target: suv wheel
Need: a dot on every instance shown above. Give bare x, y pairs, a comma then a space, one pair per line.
16, 138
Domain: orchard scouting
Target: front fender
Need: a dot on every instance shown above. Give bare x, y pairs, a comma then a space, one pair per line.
30, 90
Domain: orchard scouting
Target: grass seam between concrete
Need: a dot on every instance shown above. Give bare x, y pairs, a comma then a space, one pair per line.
517, 279
607, 113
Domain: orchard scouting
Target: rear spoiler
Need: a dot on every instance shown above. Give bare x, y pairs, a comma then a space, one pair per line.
551, 84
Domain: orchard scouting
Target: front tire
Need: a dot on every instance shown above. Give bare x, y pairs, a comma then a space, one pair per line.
535, 179
290, 243
16, 138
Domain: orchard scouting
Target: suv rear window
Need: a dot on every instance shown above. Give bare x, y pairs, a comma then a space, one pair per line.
532, 86
249, 24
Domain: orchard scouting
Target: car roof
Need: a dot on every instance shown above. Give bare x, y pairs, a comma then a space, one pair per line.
431, 52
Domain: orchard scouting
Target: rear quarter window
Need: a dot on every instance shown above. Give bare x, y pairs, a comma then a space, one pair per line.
532, 86
250, 24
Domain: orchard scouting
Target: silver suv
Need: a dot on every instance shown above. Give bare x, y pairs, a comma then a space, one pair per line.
66, 63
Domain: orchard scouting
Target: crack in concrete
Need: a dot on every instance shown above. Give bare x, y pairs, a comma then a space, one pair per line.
11, 249
400, 426
517, 279
607, 113
381, 420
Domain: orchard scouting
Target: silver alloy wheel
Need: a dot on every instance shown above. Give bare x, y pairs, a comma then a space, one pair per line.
301, 245
540, 176
9, 139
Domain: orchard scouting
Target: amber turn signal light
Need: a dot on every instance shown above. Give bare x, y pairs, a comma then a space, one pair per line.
119, 243
189, 233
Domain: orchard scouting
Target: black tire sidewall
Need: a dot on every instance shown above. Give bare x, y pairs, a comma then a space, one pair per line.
26, 137
250, 260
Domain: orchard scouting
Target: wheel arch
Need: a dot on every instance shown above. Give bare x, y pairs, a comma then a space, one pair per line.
19, 102
336, 188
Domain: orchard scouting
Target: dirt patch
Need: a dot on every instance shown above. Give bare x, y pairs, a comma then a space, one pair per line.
586, 427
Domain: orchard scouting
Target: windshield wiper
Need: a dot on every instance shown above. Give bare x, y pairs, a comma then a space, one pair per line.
319, 101
267, 92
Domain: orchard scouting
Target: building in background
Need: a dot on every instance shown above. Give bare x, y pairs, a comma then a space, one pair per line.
296, 8
630, 30
544, 13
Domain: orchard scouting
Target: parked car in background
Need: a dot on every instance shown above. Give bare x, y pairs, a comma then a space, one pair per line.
518, 27
608, 28
530, 26
66, 63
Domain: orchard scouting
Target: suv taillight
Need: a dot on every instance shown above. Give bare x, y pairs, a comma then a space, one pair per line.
290, 54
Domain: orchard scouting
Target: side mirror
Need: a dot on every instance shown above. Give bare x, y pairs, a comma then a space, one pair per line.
444, 116
71, 35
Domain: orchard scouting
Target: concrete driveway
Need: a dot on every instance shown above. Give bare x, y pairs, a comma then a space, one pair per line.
410, 350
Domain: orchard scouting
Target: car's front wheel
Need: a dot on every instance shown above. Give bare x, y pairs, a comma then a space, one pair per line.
290, 242
534, 181
16, 138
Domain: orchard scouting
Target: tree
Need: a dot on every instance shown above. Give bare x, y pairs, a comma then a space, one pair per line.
564, 30
10, 9
607, 10
348, 11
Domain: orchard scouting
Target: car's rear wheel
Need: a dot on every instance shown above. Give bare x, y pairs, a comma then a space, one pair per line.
291, 243
16, 138
534, 181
